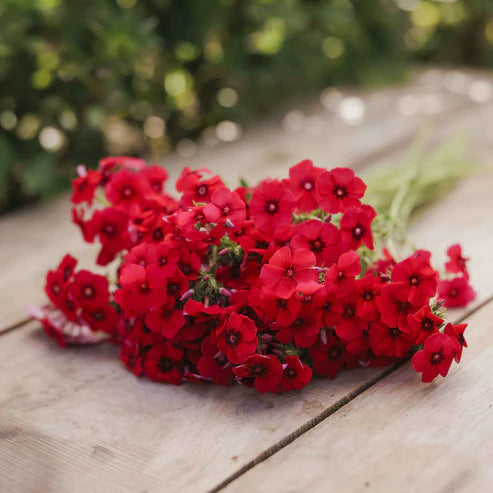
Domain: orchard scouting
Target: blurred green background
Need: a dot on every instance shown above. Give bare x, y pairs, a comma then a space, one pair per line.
80, 79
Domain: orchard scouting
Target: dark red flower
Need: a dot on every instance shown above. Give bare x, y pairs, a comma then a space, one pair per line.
418, 276
323, 239
286, 269
167, 320
301, 183
126, 188
266, 371
328, 357
159, 254
327, 306
162, 363
457, 263
338, 190
303, 331
237, 338
85, 186
423, 324
225, 207
436, 357
275, 311
356, 227
103, 318
389, 341
456, 292
271, 207
89, 290
457, 331
350, 326
213, 364
295, 374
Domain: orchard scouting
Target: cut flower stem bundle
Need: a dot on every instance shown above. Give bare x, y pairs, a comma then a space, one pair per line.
267, 286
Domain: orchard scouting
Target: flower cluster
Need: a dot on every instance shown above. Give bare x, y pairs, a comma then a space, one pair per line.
266, 286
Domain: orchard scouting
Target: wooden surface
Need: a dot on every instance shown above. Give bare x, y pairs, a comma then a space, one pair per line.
77, 421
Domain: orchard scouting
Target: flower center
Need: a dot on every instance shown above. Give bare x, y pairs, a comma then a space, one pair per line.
349, 311
308, 185
403, 306
340, 192
226, 210
158, 234
358, 231
291, 373
317, 245
368, 296
282, 303
202, 190
109, 229
290, 272
232, 338
271, 207
98, 315
436, 358
453, 293
55, 288
414, 280
88, 292
334, 353
165, 364
395, 332
258, 370
163, 260
127, 192
144, 288
427, 324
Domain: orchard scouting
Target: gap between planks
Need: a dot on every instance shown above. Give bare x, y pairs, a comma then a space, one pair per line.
312, 423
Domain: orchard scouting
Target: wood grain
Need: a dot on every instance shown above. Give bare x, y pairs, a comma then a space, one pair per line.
34, 240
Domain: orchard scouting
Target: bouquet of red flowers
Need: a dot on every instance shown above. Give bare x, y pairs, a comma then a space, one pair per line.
266, 285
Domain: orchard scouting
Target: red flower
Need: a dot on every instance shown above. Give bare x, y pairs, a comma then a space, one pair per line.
342, 274
131, 353
213, 364
237, 338
295, 374
356, 227
271, 207
368, 289
276, 311
111, 163
456, 292
195, 188
155, 176
350, 326
126, 188
328, 357
423, 324
286, 269
162, 363
457, 331
89, 290
338, 190
328, 309
85, 186
302, 179
436, 357
418, 276
395, 306
159, 254
457, 263
103, 318
389, 341
225, 207
166, 320
323, 239
266, 370
304, 330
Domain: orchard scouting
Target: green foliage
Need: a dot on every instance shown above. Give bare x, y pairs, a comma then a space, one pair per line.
80, 79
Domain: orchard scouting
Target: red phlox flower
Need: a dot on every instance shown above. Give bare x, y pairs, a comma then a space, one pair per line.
155, 176
457, 263
436, 356
85, 186
167, 320
338, 190
457, 331
356, 227
162, 363
126, 189
418, 276
57, 280
456, 292
389, 341
395, 306
323, 239
328, 357
275, 311
237, 338
368, 289
350, 326
271, 207
343, 273
327, 306
101, 317
266, 371
89, 290
195, 188
213, 364
295, 374
303, 331
301, 183
286, 269
423, 324
112, 163
225, 207
189, 264
131, 353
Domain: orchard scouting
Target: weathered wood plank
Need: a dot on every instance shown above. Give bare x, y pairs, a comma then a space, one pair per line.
399, 435
76, 420
32, 241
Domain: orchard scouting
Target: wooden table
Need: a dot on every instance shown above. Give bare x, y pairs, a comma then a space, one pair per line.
75, 420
